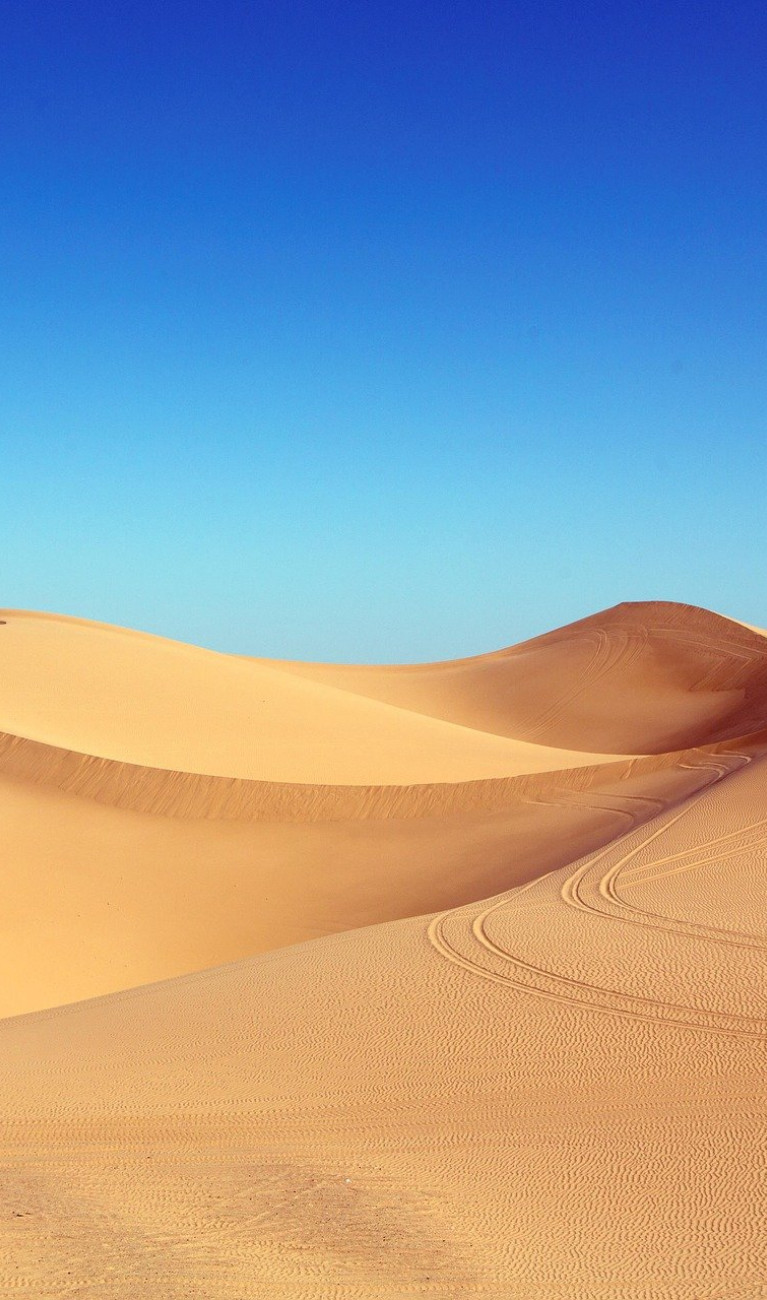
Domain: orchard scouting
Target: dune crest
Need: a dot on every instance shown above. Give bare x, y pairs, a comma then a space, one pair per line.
638, 678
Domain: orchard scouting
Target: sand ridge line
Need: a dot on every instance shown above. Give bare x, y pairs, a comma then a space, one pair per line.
194, 795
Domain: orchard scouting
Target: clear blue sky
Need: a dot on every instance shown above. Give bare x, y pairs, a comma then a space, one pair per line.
381, 331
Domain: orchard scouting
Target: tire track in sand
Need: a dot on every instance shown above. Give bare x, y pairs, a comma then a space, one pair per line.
610, 650
463, 939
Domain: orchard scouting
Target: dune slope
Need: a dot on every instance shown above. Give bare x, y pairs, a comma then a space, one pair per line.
119, 872
537, 1070
128, 696
558, 1092
638, 678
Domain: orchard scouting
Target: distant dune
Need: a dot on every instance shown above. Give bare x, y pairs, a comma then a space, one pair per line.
638, 678
452, 976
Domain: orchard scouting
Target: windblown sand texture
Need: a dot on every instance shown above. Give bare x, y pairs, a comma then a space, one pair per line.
340, 983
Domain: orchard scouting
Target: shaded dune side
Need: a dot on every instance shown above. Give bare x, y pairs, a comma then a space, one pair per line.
100, 896
638, 678
194, 796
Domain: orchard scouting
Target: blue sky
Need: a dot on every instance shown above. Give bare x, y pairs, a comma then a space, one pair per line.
381, 332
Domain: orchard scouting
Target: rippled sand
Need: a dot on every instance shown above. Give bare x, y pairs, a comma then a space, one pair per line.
493, 1013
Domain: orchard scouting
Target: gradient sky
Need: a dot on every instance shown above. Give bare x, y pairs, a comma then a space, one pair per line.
381, 331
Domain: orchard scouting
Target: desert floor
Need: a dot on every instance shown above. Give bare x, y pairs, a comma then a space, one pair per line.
334, 983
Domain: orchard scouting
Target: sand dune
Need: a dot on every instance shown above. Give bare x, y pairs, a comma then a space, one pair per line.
128, 696
537, 1071
638, 678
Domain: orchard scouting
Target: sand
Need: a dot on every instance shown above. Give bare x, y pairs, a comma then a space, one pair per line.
443, 980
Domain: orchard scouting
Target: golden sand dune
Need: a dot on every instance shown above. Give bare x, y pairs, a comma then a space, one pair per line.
129, 696
638, 678
538, 1071
103, 898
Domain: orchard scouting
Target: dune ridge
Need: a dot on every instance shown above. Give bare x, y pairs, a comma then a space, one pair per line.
191, 795
497, 1036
